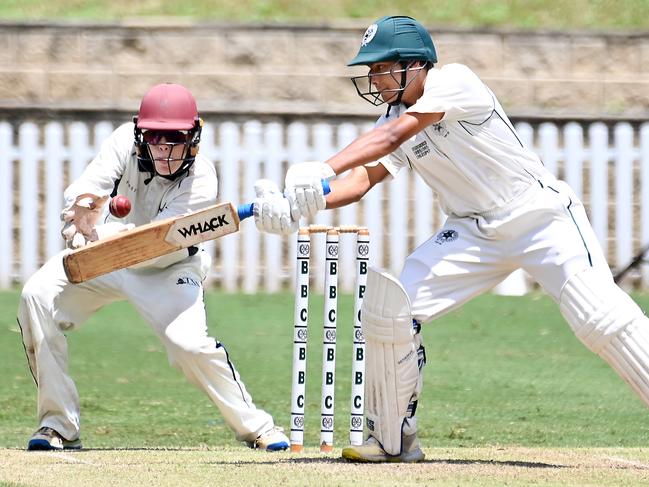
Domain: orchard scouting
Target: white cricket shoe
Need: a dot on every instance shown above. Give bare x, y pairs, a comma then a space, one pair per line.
272, 440
371, 451
47, 438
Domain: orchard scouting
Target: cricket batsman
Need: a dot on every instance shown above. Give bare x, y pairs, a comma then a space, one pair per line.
154, 162
505, 212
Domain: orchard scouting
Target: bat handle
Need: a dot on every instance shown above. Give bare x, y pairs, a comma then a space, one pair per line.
246, 210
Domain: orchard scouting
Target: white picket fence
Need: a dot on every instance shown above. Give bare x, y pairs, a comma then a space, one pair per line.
608, 165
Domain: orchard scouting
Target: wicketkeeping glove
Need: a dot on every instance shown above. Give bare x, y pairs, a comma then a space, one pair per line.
303, 188
79, 220
271, 210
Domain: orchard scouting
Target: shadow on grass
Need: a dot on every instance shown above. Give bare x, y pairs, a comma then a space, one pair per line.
279, 457
508, 463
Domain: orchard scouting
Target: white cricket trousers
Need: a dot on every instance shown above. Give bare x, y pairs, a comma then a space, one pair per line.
545, 231
170, 300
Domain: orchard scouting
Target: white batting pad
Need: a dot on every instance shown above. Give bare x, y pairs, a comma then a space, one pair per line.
628, 354
391, 371
610, 324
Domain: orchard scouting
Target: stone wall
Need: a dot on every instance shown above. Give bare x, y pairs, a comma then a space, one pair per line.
289, 69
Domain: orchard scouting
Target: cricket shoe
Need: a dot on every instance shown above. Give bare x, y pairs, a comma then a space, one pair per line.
371, 451
272, 440
47, 438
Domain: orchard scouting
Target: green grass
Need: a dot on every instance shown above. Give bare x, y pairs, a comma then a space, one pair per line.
528, 14
501, 371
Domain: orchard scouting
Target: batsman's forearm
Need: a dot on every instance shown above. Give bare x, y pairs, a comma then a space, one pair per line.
382, 140
340, 197
349, 189
369, 147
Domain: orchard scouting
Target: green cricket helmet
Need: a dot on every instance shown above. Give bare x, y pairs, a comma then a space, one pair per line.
400, 39
396, 38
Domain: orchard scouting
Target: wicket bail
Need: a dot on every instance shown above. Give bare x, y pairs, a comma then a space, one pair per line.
298, 392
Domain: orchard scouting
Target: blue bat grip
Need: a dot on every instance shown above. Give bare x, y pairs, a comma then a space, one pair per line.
245, 210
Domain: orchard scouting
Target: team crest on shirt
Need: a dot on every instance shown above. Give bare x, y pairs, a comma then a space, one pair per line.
369, 34
446, 236
440, 129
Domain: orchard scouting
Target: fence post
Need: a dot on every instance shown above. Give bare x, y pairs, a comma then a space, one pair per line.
273, 147
56, 154
549, 147
80, 153
644, 198
598, 201
229, 191
7, 254
348, 215
251, 239
574, 157
623, 134
29, 154
526, 134
208, 150
398, 218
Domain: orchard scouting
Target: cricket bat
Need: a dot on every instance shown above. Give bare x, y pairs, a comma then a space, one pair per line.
153, 240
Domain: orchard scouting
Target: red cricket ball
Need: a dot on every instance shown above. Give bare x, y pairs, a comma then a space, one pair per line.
119, 206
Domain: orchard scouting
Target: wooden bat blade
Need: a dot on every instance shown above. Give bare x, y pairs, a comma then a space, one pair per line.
150, 241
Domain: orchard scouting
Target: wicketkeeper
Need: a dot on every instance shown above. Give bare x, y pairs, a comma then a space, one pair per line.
155, 162
505, 212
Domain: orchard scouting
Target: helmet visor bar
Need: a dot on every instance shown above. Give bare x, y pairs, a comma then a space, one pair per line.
367, 92
171, 161
366, 88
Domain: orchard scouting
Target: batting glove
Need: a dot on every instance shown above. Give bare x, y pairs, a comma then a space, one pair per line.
303, 188
271, 210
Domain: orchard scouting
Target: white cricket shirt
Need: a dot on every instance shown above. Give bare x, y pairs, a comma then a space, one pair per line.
151, 199
473, 158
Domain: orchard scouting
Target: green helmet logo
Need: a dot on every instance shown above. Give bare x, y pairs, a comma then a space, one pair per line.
393, 39
369, 34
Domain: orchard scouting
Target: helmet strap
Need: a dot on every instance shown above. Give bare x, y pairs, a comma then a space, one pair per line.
402, 84
142, 154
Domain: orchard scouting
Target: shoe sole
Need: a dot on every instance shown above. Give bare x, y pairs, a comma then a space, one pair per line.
44, 445
353, 456
41, 445
282, 445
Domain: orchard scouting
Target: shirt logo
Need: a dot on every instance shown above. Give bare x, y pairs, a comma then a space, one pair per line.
446, 236
440, 129
369, 34
421, 149
187, 280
